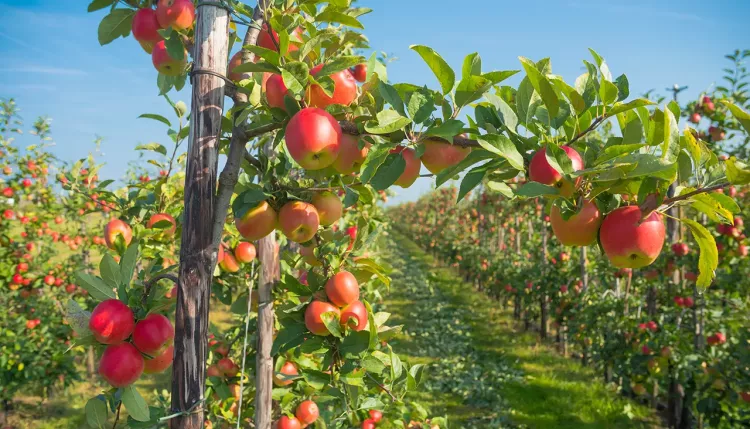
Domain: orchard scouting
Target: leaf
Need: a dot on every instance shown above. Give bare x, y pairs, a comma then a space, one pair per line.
608, 92
269, 55
374, 159
247, 200
180, 108
135, 404
671, 145
439, 67
705, 203
470, 89
338, 64
331, 15
388, 172
355, 344
623, 87
156, 117
502, 147
96, 413
499, 75
470, 181
737, 172
535, 189
693, 147
95, 286
446, 130
471, 159
155, 147
541, 85
388, 122
390, 95
109, 270
709, 255
331, 320
472, 66
507, 116
100, 4
739, 114
174, 46
526, 101
421, 105
77, 318
291, 82
116, 24
260, 66
351, 197
611, 152
630, 105
576, 100
501, 188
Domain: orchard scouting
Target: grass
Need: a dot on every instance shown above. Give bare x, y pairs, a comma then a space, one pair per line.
538, 388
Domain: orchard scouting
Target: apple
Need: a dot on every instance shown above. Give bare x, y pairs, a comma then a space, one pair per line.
542, 172
695, 118
288, 369
350, 157
307, 412
313, 317
270, 41
286, 422
716, 339
49, 280
352, 233
275, 91
234, 62
145, 29
439, 155
413, 165
245, 252
299, 221
356, 311
342, 289
117, 228
111, 322
680, 249
313, 138
166, 65
227, 367
368, 424
213, 371
745, 396
153, 334
629, 241
344, 91
159, 362
329, 207
258, 222
359, 72
581, 228
163, 217
376, 416
121, 364
308, 255
228, 263
178, 14
717, 134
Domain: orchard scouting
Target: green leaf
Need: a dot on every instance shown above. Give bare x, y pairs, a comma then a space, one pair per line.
709, 255
576, 100
338, 64
155, 147
174, 46
541, 85
96, 413
95, 286
421, 105
630, 105
331, 15
390, 95
374, 159
100, 4
351, 197
331, 320
608, 92
109, 270
498, 76
558, 159
535, 189
739, 114
705, 203
693, 147
116, 24
737, 172
269, 55
388, 122
611, 152
247, 200
472, 66
156, 117
446, 130
291, 82
470, 181
623, 87
375, 67
501, 188
671, 145
388, 172
135, 404
502, 147
439, 67
526, 101
507, 116
474, 156
355, 344
470, 89
260, 66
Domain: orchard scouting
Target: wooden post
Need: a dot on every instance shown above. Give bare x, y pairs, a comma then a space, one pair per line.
197, 254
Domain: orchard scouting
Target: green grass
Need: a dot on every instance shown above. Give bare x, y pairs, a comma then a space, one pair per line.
534, 386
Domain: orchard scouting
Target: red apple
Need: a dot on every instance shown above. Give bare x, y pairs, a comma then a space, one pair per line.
288, 369
227, 367
153, 334
368, 424
359, 72
680, 249
542, 172
159, 362
344, 91
695, 118
165, 64
270, 41
244, 252
145, 29
234, 62
276, 90
313, 317
286, 422
228, 263
307, 412
117, 228
213, 371
342, 289
163, 217
350, 157
258, 222
356, 311
299, 221
581, 228
178, 14
413, 165
439, 155
376, 416
313, 138
329, 207
716, 339
111, 322
121, 364
630, 242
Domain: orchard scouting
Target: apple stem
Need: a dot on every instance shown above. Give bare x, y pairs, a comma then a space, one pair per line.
117, 415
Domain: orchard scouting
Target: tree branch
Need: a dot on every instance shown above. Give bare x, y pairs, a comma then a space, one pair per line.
650, 203
150, 284
591, 127
385, 389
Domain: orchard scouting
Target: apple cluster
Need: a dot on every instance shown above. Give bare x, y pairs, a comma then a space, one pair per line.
149, 25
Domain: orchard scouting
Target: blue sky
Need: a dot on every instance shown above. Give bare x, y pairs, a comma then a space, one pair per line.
53, 65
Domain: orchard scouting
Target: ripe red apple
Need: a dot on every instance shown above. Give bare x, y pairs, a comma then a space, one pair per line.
717, 134
352, 233
165, 64
289, 369
342, 289
121, 364
745, 396
153, 334
116, 228
350, 157
228, 263
161, 217
227, 367
329, 207
258, 222
299, 221
680, 249
344, 91
276, 90
356, 311
313, 138
244, 252
213, 371
359, 72
630, 242
178, 14
376, 416
581, 229
145, 29
716, 339
542, 172
270, 41
159, 362
307, 412
111, 322
313, 317
234, 62
413, 165
439, 155
368, 424
286, 422
49, 280
695, 118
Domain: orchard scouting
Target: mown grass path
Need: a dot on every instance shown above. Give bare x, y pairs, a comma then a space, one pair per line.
483, 373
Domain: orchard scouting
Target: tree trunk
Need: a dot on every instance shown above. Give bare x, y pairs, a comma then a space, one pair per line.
197, 254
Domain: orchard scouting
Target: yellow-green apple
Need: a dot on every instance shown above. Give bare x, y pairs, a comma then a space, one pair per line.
314, 317
244, 252
164, 63
580, 229
117, 228
258, 222
354, 315
359, 72
308, 255
153, 334
270, 39
159, 362
350, 157
276, 90
313, 138
163, 217
121, 364
542, 172
145, 29
288, 369
178, 14
111, 322
344, 91
342, 289
630, 241
439, 155
329, 207
299, 221
413, 165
